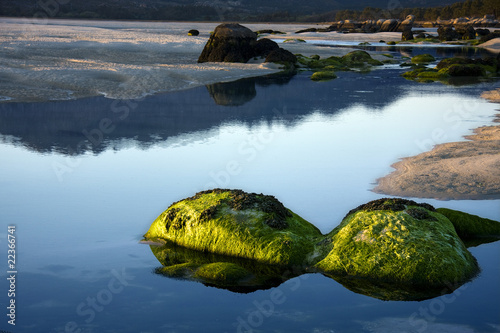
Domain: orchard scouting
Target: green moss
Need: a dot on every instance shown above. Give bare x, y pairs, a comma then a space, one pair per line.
388, 248
396, 247
294, 40
471, 226
423, 59
423, 40
388, 55
323, 76
391, 43
237, 224
359, 59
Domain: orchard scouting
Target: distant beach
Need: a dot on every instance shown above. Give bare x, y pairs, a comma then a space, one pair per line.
457, 170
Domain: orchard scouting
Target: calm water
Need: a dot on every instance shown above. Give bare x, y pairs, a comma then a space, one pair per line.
83, 180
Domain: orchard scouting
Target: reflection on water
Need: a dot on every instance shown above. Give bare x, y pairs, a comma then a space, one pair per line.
316, 146
97, 124
182, 263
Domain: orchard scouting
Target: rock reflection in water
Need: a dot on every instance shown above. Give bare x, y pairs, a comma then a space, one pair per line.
246, 276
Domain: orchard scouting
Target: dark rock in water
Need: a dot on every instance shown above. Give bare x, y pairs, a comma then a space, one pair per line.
265, 46
281, 56
447, 33
193, 32
306, 30
407, 35
495, 34
466, 70
230, 42
269, 31
466, 32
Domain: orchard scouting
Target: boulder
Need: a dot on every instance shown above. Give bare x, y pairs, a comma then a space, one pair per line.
423, 59
407, 24
398, 241
230, 42
389, 25
392, 249
265, 46
465, 32
239, 224
407, 35
447, 33
281, 56
193, 32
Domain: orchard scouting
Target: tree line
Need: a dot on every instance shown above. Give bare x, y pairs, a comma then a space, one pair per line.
134, 10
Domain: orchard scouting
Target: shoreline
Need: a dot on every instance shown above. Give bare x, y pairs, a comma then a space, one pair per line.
465, 170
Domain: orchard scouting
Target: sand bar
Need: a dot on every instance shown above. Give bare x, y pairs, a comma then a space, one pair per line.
458, 170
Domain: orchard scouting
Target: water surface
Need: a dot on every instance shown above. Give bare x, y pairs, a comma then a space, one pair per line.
83, 180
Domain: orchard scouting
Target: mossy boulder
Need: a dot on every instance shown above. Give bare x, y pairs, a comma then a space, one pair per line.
239, 224
451, 70
423, 59
323, 76
470, 226
400, 242
359, 59
325, 68
392, 249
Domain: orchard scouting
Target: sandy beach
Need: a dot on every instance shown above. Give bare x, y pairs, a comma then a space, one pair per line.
458, 170
69, 59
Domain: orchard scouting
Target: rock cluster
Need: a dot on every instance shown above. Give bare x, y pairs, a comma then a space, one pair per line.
232, 42
369, 26
389, 248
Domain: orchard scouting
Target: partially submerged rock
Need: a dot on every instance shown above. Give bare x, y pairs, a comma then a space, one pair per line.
453, 68
239, 224
470, 226
399, 243
232, 42
392, 249
325, 68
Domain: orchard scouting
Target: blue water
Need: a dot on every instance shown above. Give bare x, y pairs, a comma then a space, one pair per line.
83, 180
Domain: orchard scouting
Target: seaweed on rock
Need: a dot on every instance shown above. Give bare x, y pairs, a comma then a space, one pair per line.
390, 248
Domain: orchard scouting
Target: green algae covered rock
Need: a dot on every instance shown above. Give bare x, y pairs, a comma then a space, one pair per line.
239, 224
401, 242
455, 70
391, 249
423, 59
324, 69
323, 76
359, 59
470, 226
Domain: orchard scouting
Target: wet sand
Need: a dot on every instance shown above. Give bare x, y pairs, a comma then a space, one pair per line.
458, 170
